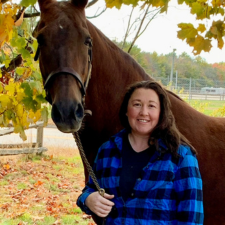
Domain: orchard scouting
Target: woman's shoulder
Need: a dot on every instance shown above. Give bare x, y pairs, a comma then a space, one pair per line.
187, 157
185, 150
115, 141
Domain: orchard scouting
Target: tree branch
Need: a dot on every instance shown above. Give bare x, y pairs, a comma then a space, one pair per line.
13, 64
30, 15
128, 28
91, 17
4, 1
149, 23
91, 3
136, 36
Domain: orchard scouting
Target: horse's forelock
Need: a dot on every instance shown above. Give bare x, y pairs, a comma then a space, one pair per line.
43, 4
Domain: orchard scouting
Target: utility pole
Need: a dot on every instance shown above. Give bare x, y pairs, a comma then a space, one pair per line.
171, 74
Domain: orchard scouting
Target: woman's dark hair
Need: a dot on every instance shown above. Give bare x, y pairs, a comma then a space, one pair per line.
166, 129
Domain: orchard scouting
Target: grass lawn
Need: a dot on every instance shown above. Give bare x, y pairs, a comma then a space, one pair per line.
208, 107
41, 190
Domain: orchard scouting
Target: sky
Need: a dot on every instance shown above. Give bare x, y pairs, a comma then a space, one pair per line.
161, 34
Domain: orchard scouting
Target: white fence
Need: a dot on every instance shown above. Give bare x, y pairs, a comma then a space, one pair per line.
23, 148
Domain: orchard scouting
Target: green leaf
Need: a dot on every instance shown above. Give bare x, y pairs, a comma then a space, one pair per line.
20, 70
198, 9
37, 75
18, 42
41, 99
24, 52
7, 61
30, 103
8, 114
44, 115
36, 85
21, 42
2, 56
27, 3
27, 89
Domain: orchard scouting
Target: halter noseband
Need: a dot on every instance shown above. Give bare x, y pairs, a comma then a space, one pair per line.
70, 71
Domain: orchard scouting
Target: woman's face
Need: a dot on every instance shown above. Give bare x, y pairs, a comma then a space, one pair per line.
143, 111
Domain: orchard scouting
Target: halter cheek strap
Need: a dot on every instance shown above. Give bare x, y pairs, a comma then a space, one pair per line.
66, 70
70, 71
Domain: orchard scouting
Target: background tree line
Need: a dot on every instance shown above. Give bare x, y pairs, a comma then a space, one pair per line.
159, 65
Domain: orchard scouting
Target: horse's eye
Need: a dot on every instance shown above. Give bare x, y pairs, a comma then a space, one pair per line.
88, 41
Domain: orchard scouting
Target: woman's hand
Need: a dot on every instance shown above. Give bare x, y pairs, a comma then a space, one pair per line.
99, 205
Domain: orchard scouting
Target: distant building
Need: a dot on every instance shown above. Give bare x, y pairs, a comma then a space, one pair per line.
212, 91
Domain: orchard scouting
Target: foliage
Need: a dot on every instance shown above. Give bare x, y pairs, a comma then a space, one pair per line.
33, 192
160, 65
220, 112
199, 37
21, 89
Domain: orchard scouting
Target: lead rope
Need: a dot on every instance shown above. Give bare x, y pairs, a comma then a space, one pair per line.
89, 168
101, 191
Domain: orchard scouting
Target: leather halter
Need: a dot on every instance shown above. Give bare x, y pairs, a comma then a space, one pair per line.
70, 71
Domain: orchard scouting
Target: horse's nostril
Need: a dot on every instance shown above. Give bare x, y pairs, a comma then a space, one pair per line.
79, 112
56, 115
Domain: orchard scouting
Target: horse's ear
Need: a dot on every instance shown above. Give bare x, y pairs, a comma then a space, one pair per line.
43, 3
80, 3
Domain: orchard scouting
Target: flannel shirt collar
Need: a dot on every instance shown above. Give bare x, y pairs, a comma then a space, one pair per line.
119, 137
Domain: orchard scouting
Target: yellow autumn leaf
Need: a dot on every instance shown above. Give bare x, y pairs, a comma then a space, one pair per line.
187, 31
24, 121
1, 87
35, 116
6, 28
19, 129
5, 101
19, 110
5, 119
216, 3
201, 44
113, 3
20, 95
1, 120
201, 28
217, 30
199, 9
10, 88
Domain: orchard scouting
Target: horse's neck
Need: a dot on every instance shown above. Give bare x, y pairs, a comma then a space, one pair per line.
112, 61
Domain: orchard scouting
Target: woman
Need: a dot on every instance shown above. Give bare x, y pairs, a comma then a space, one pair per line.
149, 170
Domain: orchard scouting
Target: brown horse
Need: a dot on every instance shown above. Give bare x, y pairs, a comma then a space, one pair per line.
65, 47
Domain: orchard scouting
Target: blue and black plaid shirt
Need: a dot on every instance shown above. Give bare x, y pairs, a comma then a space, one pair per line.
168, 193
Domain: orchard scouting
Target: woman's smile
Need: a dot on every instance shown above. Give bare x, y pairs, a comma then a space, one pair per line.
143, 111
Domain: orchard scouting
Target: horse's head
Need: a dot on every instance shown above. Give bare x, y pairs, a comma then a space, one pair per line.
65, 59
